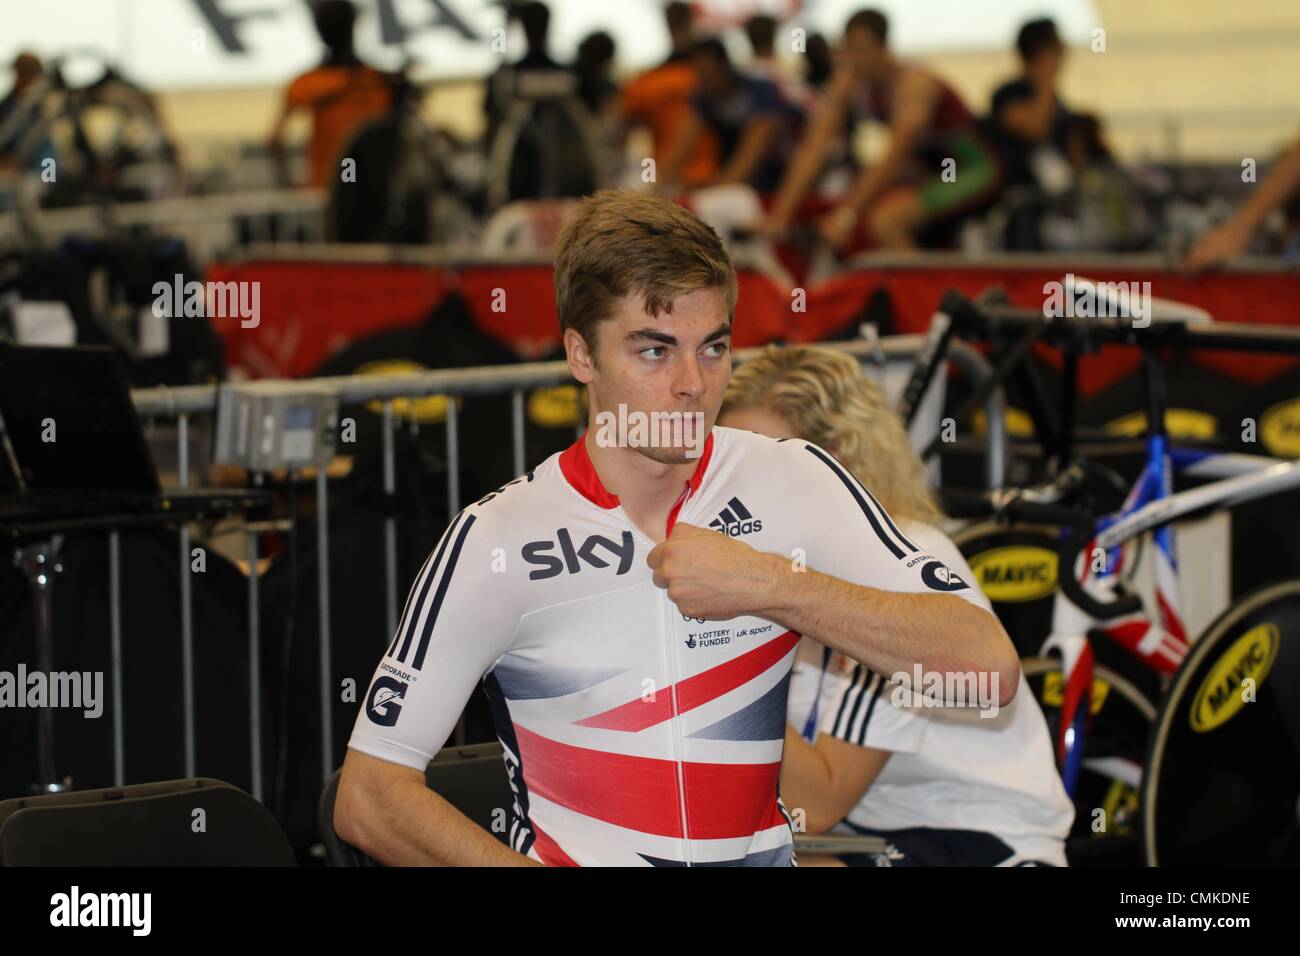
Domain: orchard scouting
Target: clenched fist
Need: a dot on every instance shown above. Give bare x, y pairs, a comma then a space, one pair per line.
710, 575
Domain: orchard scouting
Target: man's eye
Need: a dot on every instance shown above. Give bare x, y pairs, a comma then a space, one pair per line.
716, 349
658, 350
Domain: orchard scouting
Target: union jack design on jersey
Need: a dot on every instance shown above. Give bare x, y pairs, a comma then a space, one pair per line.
632, 735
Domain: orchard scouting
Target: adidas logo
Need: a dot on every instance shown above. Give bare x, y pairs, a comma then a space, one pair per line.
735, 520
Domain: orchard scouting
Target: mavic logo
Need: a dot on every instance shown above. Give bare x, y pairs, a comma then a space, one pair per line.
385, 703
735, 520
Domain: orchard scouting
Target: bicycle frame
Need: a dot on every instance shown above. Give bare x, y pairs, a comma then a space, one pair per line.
1160, 641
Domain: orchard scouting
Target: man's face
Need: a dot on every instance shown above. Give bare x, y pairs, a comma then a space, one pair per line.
1047, 62
677, 363
864, 52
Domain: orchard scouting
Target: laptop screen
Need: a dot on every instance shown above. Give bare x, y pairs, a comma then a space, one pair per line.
70, 421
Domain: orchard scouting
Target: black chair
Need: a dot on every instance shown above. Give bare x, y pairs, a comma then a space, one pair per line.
148, 824
472, 779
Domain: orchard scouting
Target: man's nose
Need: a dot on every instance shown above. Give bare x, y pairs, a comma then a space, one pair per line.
688, 380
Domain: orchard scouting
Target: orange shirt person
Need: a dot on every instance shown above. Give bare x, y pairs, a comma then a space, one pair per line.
341, 94
660, 100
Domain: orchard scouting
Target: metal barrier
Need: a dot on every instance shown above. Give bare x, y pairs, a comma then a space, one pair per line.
182, 402
210, 225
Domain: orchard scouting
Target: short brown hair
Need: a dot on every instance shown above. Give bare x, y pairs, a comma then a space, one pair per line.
619, 242
873, 21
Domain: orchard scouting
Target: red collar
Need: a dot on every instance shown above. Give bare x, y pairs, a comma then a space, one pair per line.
576, 465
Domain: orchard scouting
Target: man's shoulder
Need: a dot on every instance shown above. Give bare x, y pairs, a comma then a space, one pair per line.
784, 464
752, 446
528, 497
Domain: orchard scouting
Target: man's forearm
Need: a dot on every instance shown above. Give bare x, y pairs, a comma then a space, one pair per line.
410, 825
890, 631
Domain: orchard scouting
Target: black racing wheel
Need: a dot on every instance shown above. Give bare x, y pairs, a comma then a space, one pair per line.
1222, 780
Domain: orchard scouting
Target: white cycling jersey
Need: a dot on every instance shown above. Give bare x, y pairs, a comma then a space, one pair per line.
949, 768
632, 734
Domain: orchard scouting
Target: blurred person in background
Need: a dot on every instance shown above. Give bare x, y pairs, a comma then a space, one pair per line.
761, 32
592, 67
818, 62
340, 94
539, 136
753, 124
1040, 140
942, 785
535, 20
1027, 112
660, 100
913, 193
20, 147
1233, 237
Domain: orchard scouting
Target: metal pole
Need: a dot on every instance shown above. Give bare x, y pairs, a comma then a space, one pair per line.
453, 460
517, 430
115, 645
390, 527
254, 668
323, 578
187, 620
453, 508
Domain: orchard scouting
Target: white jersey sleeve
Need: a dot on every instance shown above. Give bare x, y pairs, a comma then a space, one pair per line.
843, 531
458, 620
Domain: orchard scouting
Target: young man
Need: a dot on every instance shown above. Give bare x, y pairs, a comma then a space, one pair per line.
632, 605
910, 188
660, 100
754, 126
1029, 116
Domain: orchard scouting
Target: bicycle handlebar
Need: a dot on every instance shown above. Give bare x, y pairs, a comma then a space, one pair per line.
1075, 538
979, 321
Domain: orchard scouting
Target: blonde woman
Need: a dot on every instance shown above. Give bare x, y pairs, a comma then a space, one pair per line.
941, 785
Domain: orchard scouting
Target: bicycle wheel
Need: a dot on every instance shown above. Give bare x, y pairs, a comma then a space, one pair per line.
1016, 568
1122, 717
1223, 770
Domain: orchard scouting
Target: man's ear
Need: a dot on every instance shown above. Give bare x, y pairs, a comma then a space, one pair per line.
582, 363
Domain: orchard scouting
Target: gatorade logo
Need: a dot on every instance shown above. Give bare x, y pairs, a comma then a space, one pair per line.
385, 703
1279, 429
1016, 573
938, 577
1220, 696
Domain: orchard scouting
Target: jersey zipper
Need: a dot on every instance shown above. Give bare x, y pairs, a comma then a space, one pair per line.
670, 612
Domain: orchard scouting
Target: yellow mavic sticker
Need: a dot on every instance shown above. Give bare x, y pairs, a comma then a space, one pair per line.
429, 410
1054, 691
1179, 422
557, 407
1223, 692
1016, 572
1279, 429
